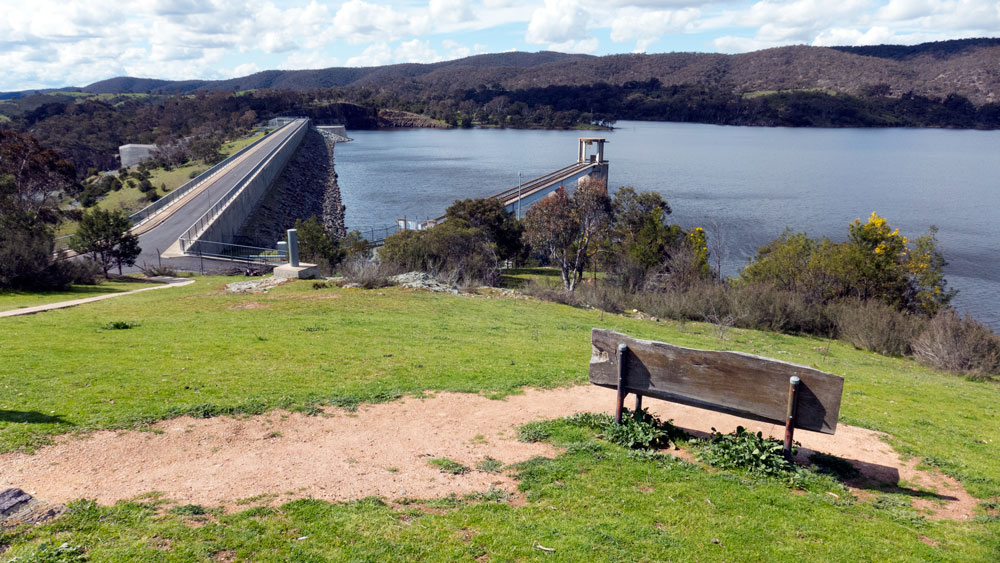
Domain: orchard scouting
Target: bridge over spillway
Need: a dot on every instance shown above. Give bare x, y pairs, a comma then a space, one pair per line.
590, 163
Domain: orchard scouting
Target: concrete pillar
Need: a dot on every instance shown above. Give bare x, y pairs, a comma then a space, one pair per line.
293, 248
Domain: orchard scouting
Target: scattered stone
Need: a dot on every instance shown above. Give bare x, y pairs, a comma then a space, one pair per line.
421, 280
255, 286
18, 507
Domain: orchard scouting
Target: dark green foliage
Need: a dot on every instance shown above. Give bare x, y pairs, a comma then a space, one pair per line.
106, 236
447, 465
567, 230
640, 430
496, 223
874, 264
32, 179
317, 245
643, 251
120, 325
745, 451
453, 251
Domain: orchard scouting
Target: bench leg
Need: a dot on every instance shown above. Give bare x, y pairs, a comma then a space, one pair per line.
793, 389
638, 403
620, 404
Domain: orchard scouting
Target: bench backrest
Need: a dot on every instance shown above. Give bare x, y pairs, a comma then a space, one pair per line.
731, 382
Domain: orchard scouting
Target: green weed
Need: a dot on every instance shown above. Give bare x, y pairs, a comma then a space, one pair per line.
447, 465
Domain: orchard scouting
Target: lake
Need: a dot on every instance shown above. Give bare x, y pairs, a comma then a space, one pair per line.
743, 184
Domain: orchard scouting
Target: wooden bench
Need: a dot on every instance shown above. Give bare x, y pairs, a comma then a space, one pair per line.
735, 383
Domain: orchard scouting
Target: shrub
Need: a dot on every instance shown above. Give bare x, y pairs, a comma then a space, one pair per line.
153, 271
765, 307
875, 326
959, 344
744, 450
453, 251
640, 430
369, 274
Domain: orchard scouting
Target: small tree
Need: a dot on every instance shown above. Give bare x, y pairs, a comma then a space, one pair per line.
498, 225
106, 236
564, 228
317, 245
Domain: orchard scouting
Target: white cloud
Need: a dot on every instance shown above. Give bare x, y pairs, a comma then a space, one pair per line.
558, 22
308, 60
455, 50
646, 27
46, 43
245, 69
586, 46
450, 10
358, 21
839, 36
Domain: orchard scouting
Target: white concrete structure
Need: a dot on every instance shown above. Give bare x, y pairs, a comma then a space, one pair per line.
132, 154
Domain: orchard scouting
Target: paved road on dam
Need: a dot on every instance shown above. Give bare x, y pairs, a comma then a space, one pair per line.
167, 230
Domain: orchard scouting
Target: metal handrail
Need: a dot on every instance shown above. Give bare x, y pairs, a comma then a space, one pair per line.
237, 252
158, 206
202, 223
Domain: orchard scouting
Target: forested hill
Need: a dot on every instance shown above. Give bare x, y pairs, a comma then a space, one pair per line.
948, 84
966, 67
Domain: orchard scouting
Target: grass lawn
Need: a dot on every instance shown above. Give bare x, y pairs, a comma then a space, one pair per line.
20, 299
201, 351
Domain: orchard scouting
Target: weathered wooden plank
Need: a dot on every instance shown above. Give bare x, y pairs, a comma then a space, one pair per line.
730, 382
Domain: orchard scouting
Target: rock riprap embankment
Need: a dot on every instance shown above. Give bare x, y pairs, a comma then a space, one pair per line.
307, 187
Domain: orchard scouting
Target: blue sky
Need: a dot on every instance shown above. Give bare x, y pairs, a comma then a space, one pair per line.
51, 43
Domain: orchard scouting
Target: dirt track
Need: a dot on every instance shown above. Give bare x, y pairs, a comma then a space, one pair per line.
381, 450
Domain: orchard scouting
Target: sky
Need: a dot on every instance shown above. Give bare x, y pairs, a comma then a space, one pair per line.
55, 43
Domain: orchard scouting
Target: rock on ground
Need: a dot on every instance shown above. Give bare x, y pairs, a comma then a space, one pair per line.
18, 507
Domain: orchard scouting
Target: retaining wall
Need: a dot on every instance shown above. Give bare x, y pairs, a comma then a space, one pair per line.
237, 206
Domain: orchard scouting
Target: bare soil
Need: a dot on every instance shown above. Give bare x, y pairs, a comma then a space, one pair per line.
384, 450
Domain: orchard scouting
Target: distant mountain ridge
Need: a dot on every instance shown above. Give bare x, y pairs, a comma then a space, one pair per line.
967, 67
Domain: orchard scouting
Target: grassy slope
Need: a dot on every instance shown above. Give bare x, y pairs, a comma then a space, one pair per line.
196, 351
132, 200
20, 299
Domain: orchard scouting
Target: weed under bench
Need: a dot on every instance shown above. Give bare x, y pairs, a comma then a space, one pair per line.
735, 383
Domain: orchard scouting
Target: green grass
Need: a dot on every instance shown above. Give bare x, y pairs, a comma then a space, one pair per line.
197, 350
599, 503
10, 300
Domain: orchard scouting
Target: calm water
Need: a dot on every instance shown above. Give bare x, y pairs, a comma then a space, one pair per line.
745, 184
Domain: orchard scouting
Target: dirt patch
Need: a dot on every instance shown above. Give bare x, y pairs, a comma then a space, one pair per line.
251, 305
384, 450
